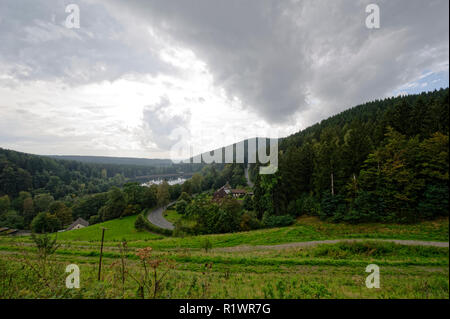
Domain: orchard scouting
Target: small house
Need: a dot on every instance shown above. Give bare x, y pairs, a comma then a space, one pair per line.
226, 190
79, 223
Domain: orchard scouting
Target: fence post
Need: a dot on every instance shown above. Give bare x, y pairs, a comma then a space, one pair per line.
101, 254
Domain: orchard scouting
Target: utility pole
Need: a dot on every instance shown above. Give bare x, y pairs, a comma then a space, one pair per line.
101, 254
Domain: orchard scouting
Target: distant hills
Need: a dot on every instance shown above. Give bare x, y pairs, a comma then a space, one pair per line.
115, 160
240, 152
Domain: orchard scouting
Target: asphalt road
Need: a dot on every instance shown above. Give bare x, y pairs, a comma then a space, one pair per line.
156, 218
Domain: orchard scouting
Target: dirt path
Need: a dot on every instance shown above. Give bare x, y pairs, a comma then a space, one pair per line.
335, 241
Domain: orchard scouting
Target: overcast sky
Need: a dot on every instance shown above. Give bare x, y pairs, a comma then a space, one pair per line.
138, 72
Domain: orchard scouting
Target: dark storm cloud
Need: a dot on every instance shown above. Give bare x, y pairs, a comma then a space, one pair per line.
276, 55
36, 45
283, 58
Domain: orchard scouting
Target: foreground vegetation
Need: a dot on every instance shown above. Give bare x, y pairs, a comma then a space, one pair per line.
238, 265
305, 229
324, 271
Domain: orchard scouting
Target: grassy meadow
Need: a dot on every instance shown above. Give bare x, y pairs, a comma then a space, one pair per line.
240, 265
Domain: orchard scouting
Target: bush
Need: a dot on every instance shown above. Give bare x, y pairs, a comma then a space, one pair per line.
332, 205
310, 205
435, 202
45, 222
171, 206
249, 221
139, 224
95, 219
142, 223
5, 203
186, 197
131, 209
181, 207
11, 219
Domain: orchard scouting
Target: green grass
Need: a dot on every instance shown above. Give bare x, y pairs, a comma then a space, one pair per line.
324, 271
311, 229
172, 216
306, 229
117, 230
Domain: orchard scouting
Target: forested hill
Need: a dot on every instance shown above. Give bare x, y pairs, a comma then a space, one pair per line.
41, 174
115, 160
385, 160
412, 114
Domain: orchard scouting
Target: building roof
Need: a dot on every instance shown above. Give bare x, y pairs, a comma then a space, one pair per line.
226, 189
79, 221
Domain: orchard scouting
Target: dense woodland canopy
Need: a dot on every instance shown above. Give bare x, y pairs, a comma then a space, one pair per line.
30, 184
385, 160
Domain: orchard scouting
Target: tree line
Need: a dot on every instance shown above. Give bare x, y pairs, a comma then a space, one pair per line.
384, 161
60, 191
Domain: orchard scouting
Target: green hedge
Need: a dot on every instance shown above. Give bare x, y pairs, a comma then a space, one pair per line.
142, 223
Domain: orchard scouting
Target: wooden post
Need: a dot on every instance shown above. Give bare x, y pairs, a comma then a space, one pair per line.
101, 254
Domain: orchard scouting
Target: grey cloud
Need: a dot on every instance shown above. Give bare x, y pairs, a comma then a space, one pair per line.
275, 55
36, 45
158, 125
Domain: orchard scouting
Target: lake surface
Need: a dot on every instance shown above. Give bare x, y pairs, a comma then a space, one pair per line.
173, 181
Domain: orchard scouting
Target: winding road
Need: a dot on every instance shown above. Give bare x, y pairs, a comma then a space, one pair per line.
156, 218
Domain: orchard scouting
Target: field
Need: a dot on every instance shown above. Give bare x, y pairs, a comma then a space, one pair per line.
116, 230
241, 265
172, 216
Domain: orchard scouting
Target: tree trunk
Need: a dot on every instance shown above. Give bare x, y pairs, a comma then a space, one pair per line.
332, 185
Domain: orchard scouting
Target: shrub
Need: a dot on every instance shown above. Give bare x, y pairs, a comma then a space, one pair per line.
248, 202
142, 223
11, 219
5, 203
435, 202
131, 209
186, 197
45, 222
139, 224
310, 205
306, 205
249, 221
330, 205
181, 207
95, 219
183, 228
